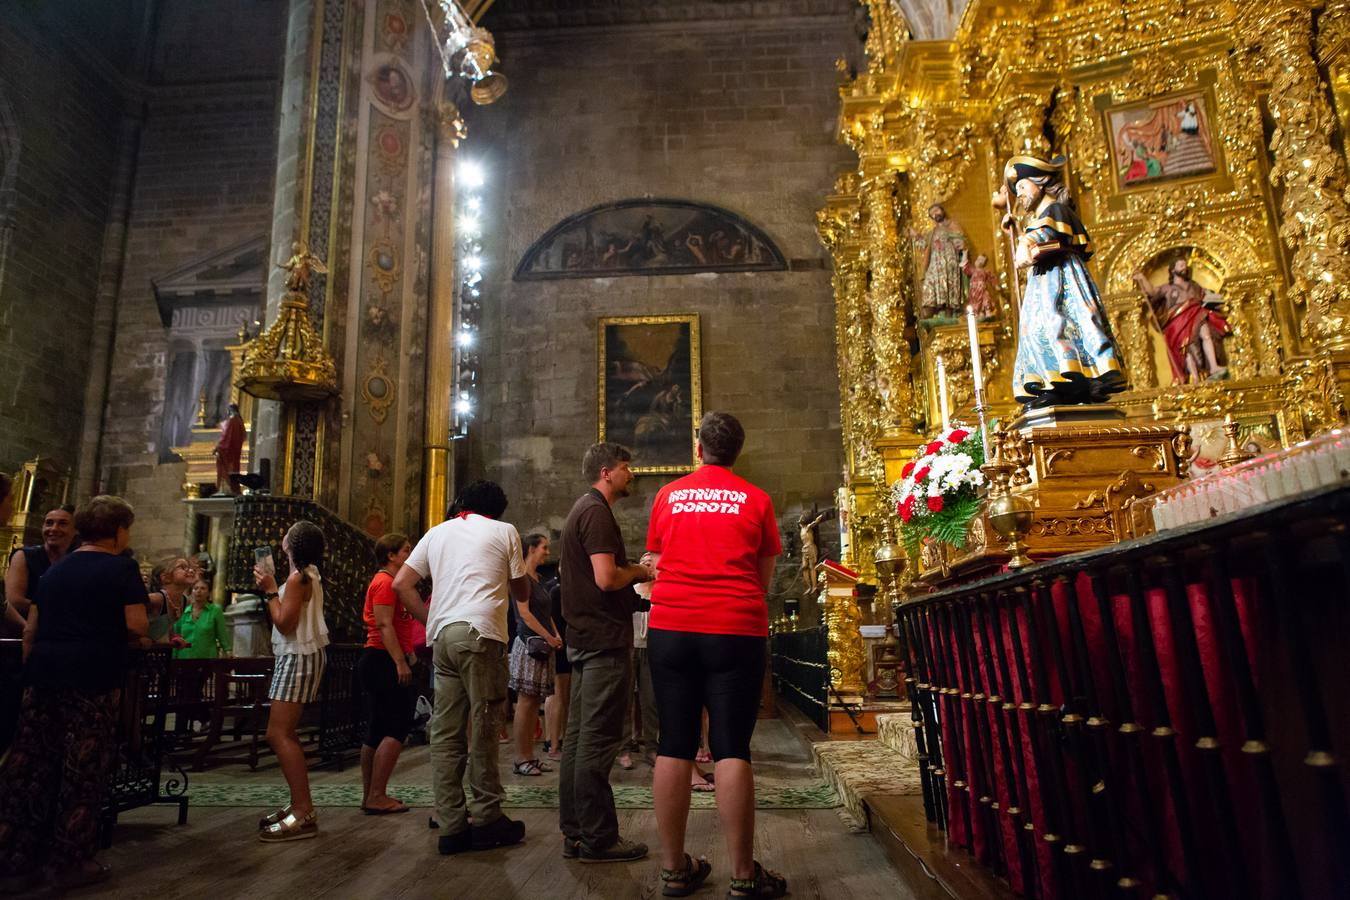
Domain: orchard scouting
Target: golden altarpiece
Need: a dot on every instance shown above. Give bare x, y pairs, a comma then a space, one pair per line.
1209, 132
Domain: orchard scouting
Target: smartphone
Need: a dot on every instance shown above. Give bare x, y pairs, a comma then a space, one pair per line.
263, 557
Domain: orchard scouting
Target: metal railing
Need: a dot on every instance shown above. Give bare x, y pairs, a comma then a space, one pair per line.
1156, 718
801, 671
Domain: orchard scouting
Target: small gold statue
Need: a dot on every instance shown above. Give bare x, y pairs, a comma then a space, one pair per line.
301, 268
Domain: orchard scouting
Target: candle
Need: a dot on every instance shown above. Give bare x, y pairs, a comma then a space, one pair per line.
977, 373
976, 367
942, 395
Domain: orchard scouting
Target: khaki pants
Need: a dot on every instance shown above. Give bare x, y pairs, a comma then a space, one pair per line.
470, 707
601, 683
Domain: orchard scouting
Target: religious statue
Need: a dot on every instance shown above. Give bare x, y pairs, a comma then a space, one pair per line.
301, 268
981, 284
229, 449
1193, 328
1065, 350
942, 292
810, 549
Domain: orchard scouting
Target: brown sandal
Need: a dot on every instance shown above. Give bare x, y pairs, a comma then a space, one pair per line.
766, 885
685, 881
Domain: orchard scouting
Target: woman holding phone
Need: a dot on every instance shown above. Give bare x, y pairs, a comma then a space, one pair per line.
299, 636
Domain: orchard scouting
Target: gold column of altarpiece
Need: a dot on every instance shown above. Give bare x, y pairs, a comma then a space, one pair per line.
1267, 224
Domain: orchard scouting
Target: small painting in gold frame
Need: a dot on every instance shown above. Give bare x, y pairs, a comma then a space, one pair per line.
1162, 139
651, 389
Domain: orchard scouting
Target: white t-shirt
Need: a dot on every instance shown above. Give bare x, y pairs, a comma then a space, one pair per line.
471, 562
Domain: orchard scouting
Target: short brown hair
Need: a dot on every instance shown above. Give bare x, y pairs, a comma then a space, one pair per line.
102, 516
387, 546
722, 438
605, 455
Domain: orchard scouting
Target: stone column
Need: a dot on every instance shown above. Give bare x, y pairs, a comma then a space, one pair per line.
438, 455
289, 200
885, 299
1314, 218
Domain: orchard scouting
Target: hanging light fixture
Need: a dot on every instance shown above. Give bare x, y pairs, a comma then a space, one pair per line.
466, 50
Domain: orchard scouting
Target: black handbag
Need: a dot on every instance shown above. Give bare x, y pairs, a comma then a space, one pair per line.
537, 648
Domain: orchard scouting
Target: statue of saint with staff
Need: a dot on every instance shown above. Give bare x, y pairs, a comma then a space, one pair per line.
1066, 353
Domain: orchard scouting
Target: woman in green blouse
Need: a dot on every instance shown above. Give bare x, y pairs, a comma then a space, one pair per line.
203, 626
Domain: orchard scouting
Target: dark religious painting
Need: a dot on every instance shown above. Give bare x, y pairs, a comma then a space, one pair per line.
651, 389
649, 237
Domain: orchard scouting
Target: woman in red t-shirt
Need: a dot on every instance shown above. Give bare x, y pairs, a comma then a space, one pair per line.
716, 541
386, 677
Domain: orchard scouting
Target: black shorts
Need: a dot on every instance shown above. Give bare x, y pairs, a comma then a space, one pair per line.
724, 672
389, 705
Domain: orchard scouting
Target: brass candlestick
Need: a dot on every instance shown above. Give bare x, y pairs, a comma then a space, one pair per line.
1009, 514
890, 561
1233, 452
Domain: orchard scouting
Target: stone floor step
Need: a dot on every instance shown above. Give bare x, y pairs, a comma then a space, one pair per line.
896, 730
859, 769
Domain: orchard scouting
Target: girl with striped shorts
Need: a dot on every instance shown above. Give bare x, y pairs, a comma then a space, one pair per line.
299, 636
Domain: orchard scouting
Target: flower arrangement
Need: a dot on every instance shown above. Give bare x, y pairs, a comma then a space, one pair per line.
937, 495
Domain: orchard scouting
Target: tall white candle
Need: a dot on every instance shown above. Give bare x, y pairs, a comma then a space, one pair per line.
942, 395
975, 363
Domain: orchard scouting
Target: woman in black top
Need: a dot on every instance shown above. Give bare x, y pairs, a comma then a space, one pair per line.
52, 783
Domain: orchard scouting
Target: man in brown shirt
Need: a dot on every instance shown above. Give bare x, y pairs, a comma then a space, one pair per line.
598, 603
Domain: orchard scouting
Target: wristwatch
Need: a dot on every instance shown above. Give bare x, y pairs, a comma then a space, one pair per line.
270, 596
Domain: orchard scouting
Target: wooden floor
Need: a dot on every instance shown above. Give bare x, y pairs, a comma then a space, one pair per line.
217, 854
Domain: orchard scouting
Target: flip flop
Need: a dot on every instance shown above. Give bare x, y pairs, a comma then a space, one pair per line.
391, 811
704, 787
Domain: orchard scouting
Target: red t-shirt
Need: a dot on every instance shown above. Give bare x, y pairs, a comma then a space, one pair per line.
381, 593
711, 529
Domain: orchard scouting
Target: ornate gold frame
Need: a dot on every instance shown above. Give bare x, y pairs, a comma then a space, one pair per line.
695, 381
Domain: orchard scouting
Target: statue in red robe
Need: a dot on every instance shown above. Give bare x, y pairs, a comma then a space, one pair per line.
1191, 324
229, 449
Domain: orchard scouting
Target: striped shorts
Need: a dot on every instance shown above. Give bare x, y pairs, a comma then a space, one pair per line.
296, 677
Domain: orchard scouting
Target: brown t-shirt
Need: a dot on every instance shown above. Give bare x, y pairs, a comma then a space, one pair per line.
596, 619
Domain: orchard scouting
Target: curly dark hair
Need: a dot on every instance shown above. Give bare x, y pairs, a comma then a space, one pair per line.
722, 438
483, 497
305, 540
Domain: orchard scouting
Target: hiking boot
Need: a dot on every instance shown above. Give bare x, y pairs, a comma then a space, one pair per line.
450, 844
620, 851
571, 847
500, 832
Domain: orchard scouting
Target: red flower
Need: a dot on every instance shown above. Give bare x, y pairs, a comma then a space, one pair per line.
957, 436
909, 467
921, 474
905, 514
906, 508
935, 504
933, 447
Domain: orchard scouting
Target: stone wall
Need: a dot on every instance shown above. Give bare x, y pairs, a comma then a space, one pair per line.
59, 114
738, 113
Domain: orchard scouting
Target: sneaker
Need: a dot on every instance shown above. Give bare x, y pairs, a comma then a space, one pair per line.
620, 851
571, 847
500, 832
450, 844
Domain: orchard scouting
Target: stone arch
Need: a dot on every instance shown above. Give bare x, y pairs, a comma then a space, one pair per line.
1227, 253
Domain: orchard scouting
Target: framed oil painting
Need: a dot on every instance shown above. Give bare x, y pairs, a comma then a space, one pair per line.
651, 389
1162, 139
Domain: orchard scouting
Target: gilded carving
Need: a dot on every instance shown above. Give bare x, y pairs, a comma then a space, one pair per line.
890, 348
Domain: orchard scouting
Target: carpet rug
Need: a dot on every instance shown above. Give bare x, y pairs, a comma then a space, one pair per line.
226, 793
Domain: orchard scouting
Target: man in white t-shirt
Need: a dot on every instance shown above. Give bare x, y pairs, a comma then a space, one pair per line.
476, 568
